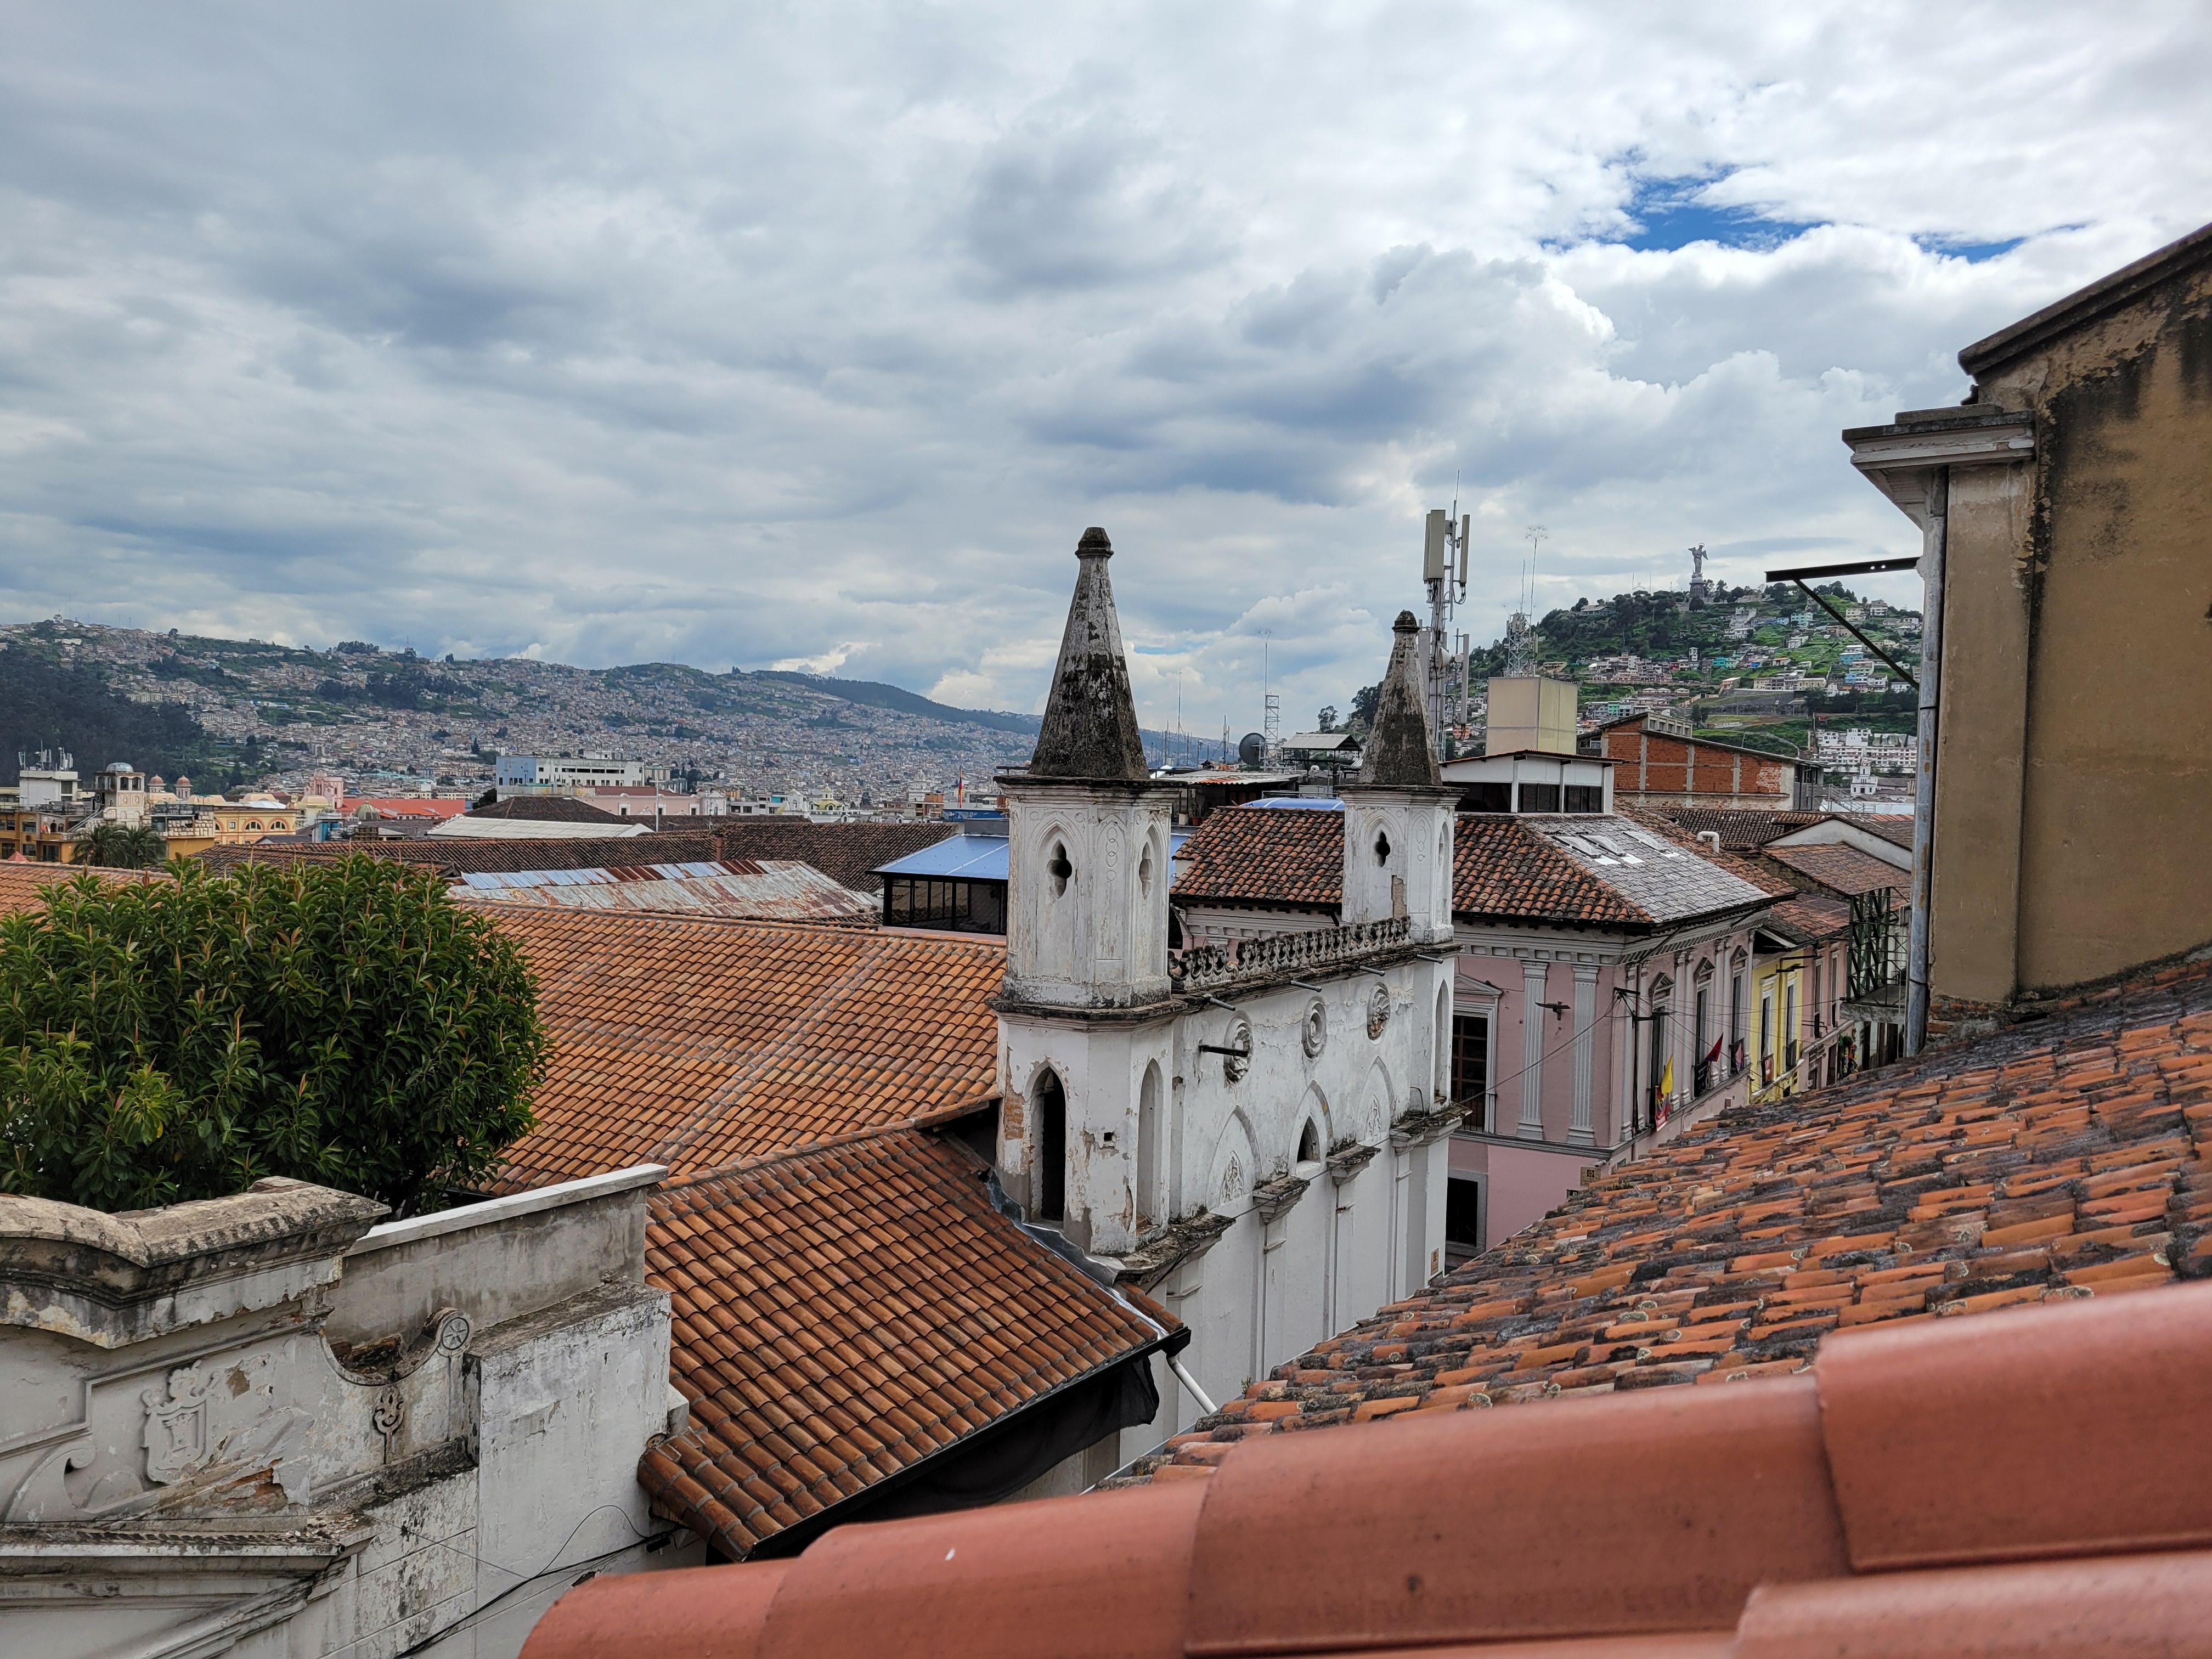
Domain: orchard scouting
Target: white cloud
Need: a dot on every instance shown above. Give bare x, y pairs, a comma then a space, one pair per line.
748, 337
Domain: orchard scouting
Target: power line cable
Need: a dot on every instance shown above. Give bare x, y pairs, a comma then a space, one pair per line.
523, 1581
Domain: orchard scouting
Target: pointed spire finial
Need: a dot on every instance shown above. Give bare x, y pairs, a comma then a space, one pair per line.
1398, 755
1090, 728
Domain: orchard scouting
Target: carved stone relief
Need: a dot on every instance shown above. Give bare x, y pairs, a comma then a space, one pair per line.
1378, 1011
1313, 1033
1234, 1066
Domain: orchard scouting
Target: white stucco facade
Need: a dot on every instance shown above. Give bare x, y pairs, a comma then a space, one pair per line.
1258, 1139
256, 1426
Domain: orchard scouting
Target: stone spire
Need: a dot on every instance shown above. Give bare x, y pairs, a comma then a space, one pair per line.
1090, 728
1398, 755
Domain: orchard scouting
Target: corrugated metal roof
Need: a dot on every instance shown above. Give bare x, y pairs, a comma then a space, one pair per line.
771, 891
973, 857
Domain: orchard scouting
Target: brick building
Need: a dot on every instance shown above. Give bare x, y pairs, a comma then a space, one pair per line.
1660, 764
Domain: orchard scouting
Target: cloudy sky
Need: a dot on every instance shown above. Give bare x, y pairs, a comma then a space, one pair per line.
815, 335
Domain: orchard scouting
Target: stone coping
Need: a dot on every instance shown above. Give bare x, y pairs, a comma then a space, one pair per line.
491, 1211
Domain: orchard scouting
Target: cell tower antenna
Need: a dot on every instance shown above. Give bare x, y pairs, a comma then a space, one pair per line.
1444, 545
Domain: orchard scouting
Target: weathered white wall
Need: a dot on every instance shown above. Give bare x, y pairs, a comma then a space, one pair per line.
1088, 872
290, 1438
1264, 1291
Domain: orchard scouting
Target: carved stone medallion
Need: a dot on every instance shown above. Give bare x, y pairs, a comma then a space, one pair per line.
1378, 1011
1314, 1032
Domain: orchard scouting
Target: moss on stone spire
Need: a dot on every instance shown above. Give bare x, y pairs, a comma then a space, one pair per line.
1090, 728
1398, 755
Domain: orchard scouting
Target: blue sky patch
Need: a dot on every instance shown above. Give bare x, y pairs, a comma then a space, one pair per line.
1974, 252
1670, 215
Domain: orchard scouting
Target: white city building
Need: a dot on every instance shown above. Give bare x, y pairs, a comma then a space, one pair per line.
1255, 1133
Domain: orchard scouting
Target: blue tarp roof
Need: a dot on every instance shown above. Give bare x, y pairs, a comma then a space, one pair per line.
973, 857
1324, 803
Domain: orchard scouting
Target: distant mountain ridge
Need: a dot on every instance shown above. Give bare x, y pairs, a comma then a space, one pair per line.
875, 694
243, 710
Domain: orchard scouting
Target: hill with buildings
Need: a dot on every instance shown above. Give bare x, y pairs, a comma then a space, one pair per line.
1756, 664
247, 711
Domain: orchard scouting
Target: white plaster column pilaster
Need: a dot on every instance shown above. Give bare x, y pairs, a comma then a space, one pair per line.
1531, 1127
1580, 1130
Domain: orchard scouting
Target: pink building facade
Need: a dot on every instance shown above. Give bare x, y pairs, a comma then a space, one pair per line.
1573, 1048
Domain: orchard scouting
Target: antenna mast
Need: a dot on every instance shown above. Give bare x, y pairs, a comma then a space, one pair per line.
1520, 634
1271, 702
1443, 572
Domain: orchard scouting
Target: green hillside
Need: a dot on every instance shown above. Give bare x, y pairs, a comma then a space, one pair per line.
47, 703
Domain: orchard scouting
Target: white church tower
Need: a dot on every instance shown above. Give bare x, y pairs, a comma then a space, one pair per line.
1085, 1020
1398, 813
1254, 1134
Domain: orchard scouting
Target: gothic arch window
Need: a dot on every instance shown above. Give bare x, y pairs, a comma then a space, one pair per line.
1151, 1203
1382, 847
1441, 1035
1059, 868
1049, 1147
1310, 1143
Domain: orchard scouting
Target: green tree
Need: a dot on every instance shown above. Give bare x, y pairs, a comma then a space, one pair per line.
346, 1024
125, 847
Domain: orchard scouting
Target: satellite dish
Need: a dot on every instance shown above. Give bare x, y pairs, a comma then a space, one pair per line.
1251, 749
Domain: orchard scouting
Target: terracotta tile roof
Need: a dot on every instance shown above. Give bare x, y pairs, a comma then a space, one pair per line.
2060, 1160
696, 1041
459, 856
22, 886
1501, 869
1843, 870
1808, 918
1516, 868
2029, 1483
546, 809
1895, 828
848, 854
1740, 828
842, 1313
1264, 855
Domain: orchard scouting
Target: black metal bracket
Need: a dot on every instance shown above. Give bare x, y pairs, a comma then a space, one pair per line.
1217, 1048
1856, 568
1865, 567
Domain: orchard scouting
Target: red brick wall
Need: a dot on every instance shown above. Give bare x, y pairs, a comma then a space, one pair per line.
1651, 763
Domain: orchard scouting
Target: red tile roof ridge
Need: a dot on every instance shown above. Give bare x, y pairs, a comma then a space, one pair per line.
2045, 1460
929, 1120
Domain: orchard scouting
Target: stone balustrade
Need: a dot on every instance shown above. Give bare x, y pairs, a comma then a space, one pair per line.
1205, 968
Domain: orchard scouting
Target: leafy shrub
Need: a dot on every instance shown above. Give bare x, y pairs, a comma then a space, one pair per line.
345, 1024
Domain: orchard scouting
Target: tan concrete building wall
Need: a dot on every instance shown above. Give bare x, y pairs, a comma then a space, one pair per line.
1974, 904
2075, 776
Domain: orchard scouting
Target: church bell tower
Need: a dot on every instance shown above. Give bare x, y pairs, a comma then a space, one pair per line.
1086, 1082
